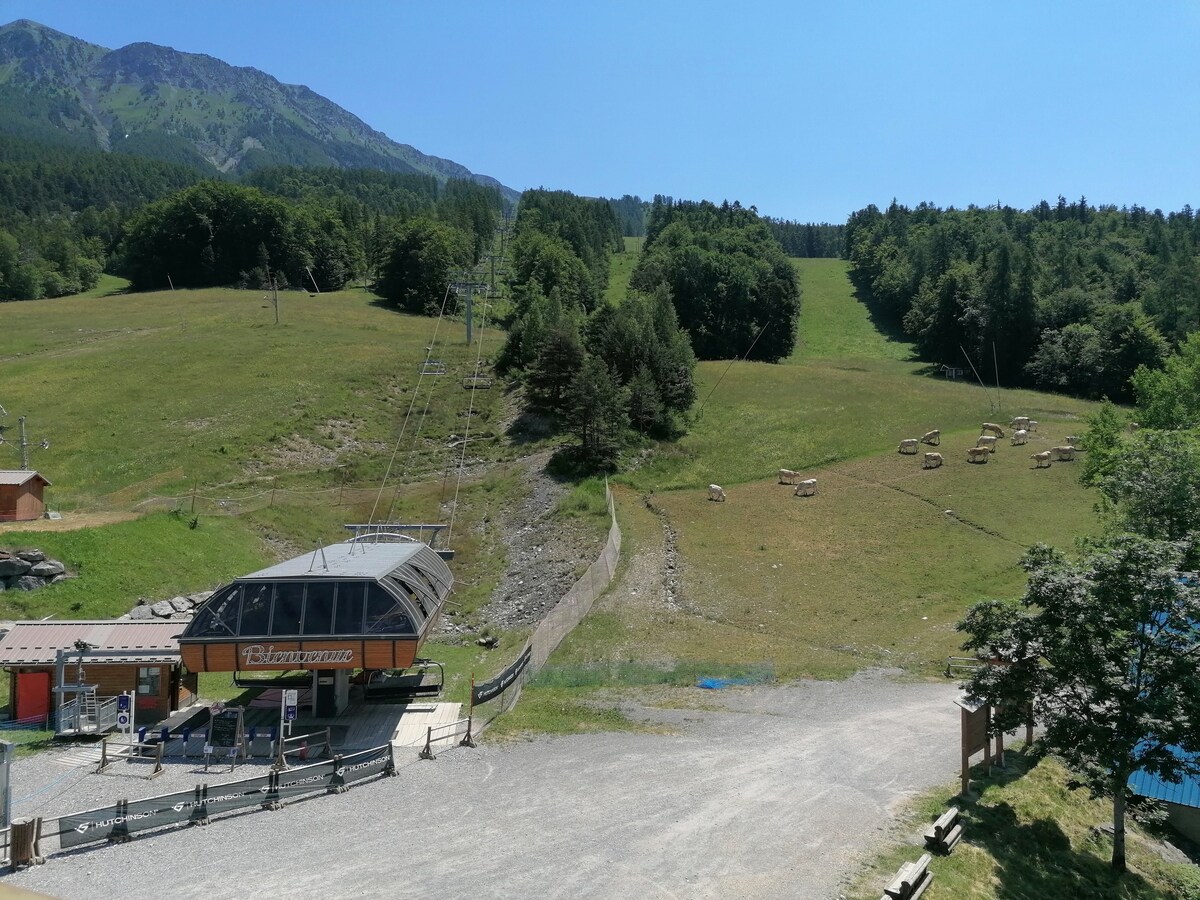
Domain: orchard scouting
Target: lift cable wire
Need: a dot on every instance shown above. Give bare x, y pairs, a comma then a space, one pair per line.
470, 411
404, 425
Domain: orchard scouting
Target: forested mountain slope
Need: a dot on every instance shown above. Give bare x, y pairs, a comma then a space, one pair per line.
186, 108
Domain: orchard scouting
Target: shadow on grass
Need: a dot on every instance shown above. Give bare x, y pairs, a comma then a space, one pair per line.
1034, 857
883, 322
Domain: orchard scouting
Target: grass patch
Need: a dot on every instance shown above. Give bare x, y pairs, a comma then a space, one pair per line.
1029, 836
154, 557
554, 710
198, 387
107, 286
621, 267
27, 741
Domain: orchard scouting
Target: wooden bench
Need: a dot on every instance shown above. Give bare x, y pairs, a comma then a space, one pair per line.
946, 832
911, 881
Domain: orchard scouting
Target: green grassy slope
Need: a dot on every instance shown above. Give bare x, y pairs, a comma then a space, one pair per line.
875, 569
152, 393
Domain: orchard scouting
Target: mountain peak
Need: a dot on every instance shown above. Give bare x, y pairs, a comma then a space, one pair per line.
188, 107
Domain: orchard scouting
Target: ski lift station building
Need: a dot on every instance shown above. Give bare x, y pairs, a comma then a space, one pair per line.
366, 603
21, 495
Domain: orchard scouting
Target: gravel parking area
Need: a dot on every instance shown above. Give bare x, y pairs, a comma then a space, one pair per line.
764, 792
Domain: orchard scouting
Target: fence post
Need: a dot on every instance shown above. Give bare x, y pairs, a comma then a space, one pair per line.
158, 766
427, 752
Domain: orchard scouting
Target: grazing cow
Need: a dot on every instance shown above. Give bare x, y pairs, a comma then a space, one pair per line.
1133, 426
993, 428
1074, 440
932, 461
909, 445
1020, 436
978, 454
1020, 422
806, 488
1032, 425
716, 492
987, 440
787, 476
1040, 458
1063, 454
932, 437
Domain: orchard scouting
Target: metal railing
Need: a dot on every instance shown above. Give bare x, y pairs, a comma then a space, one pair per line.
962, 665
81, 717
435, 733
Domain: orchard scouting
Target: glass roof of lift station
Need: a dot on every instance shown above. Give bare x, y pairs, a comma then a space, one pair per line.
348, 590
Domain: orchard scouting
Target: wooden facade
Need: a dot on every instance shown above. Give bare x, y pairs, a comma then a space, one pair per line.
22, 496
31, 695
314, 655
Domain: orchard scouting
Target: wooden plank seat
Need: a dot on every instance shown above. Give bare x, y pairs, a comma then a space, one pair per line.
911, 881
946, 832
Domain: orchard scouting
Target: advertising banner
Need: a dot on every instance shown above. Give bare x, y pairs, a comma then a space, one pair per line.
365, 764
123, 818
482, 693
303, 780
234, 795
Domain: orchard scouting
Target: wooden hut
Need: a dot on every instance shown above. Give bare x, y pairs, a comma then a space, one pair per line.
21, 495
138, 657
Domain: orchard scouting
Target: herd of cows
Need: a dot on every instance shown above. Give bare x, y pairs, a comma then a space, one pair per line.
985, 446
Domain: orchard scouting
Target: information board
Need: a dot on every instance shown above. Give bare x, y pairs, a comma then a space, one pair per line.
226, 730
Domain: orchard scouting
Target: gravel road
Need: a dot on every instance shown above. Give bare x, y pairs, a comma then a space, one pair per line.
765, 792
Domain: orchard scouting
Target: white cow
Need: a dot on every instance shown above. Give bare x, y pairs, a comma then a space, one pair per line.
931, 437
787, 476
932, 461
716, 492
1075, 440
1032, 425
1040, 458
806, 488
908, 445
1020, 436
1020, 422
1063, 454
978, 454
1133, 426
987, 440
993, 428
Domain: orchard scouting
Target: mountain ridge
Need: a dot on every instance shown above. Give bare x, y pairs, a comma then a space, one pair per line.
156, 101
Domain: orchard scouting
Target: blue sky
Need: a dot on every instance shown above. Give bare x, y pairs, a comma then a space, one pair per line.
807, 111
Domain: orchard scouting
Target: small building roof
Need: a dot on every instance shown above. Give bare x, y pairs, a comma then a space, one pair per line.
1185, 793
20, 476
38, 643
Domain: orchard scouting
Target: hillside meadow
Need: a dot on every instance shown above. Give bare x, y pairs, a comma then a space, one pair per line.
877, 567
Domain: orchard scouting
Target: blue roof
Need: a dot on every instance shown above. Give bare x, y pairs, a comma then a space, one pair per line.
1185, 793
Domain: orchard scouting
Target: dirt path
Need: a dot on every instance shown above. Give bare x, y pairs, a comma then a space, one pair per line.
69, 522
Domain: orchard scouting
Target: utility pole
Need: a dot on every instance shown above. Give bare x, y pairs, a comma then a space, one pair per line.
23, 443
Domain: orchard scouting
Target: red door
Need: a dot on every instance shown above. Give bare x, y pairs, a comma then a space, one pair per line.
33, 695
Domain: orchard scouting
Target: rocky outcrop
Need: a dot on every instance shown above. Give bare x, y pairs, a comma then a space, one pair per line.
28, 570
175, 608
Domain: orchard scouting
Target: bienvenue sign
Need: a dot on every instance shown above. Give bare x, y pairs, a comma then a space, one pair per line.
266, 656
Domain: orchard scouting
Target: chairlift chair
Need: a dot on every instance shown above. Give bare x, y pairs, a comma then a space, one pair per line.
406, 685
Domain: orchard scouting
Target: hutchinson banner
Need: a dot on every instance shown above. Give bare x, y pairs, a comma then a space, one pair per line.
482, 693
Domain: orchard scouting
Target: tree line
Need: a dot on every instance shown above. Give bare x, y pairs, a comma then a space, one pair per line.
605, 373
809, 240
1067, 297
733, 289
67, 214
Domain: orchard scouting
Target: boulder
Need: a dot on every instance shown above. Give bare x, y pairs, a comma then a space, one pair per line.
32, 556
199, 597
57, 578
48, 569
163, 609
141, 612
25, 583
181, 604
11, 566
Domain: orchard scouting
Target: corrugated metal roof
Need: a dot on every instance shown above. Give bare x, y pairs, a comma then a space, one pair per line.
1186, 793
38, 643
348, 559
19, 476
